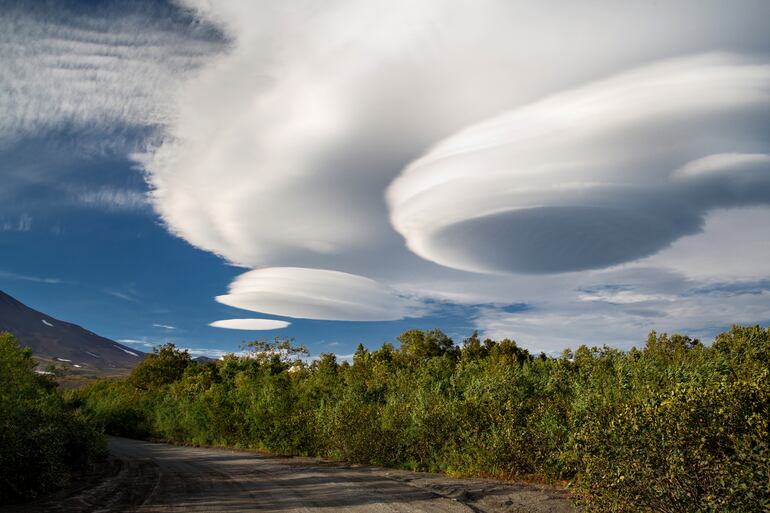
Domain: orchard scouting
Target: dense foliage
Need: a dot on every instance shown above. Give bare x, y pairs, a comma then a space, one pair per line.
676, 426
42, 440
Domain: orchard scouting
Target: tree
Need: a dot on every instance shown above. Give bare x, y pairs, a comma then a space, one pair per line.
418, 346
665, 344
278, 355
164, 365
473, 348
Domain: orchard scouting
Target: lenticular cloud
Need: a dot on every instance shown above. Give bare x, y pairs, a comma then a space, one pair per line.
315, 294
599, 175
250, 324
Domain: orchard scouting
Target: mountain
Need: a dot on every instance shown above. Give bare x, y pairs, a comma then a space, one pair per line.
205, 359
79, 351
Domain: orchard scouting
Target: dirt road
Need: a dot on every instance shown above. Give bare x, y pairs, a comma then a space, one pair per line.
151, 477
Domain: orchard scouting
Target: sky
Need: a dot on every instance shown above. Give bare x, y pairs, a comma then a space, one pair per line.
209, 173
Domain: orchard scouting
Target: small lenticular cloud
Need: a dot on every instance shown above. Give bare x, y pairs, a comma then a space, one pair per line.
319, 294
250, 324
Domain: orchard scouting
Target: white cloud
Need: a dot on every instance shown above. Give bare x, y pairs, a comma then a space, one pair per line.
562, 323
142, 342
25, 223
121, 295
126, 293
701, 285
731, 163
22, 223
164, 326
26, 277
148, 345
345, 357
112, 199
585, 179
250, 324
282, 147
96, 71
621, 295
216, 354
733, 246
278, 151
317, 294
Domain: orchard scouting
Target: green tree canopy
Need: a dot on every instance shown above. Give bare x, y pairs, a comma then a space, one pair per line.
164, 365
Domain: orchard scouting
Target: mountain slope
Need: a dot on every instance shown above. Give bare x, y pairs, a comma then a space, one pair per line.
67, 345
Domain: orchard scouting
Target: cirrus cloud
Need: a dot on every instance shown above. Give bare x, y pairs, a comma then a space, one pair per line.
100, 71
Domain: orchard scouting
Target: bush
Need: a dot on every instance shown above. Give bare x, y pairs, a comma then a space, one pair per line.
696, 449
42, 441
676, 426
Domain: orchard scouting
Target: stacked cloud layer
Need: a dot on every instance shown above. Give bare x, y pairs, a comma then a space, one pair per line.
316, 294
603, 174
284, 147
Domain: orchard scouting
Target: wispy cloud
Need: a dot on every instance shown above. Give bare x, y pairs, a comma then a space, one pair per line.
140, 342
22, 223
127, 293
345, 357
568, 323
148, 344
164, 326
95, 69
25, 277
210, 353
112, 199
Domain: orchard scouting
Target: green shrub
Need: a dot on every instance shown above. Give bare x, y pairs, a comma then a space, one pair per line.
674, 427
42, 442
695, 449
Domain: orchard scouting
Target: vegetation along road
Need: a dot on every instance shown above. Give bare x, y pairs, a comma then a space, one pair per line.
162, 477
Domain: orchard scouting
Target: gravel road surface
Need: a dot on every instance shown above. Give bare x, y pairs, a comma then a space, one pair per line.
153, 477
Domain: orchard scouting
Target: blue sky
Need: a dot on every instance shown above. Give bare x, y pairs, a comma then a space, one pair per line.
359, 170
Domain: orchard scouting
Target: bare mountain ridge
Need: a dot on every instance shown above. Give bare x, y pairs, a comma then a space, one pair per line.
78, 350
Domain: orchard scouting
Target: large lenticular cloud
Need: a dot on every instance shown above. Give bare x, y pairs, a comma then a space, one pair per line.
599, 175
316, 294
